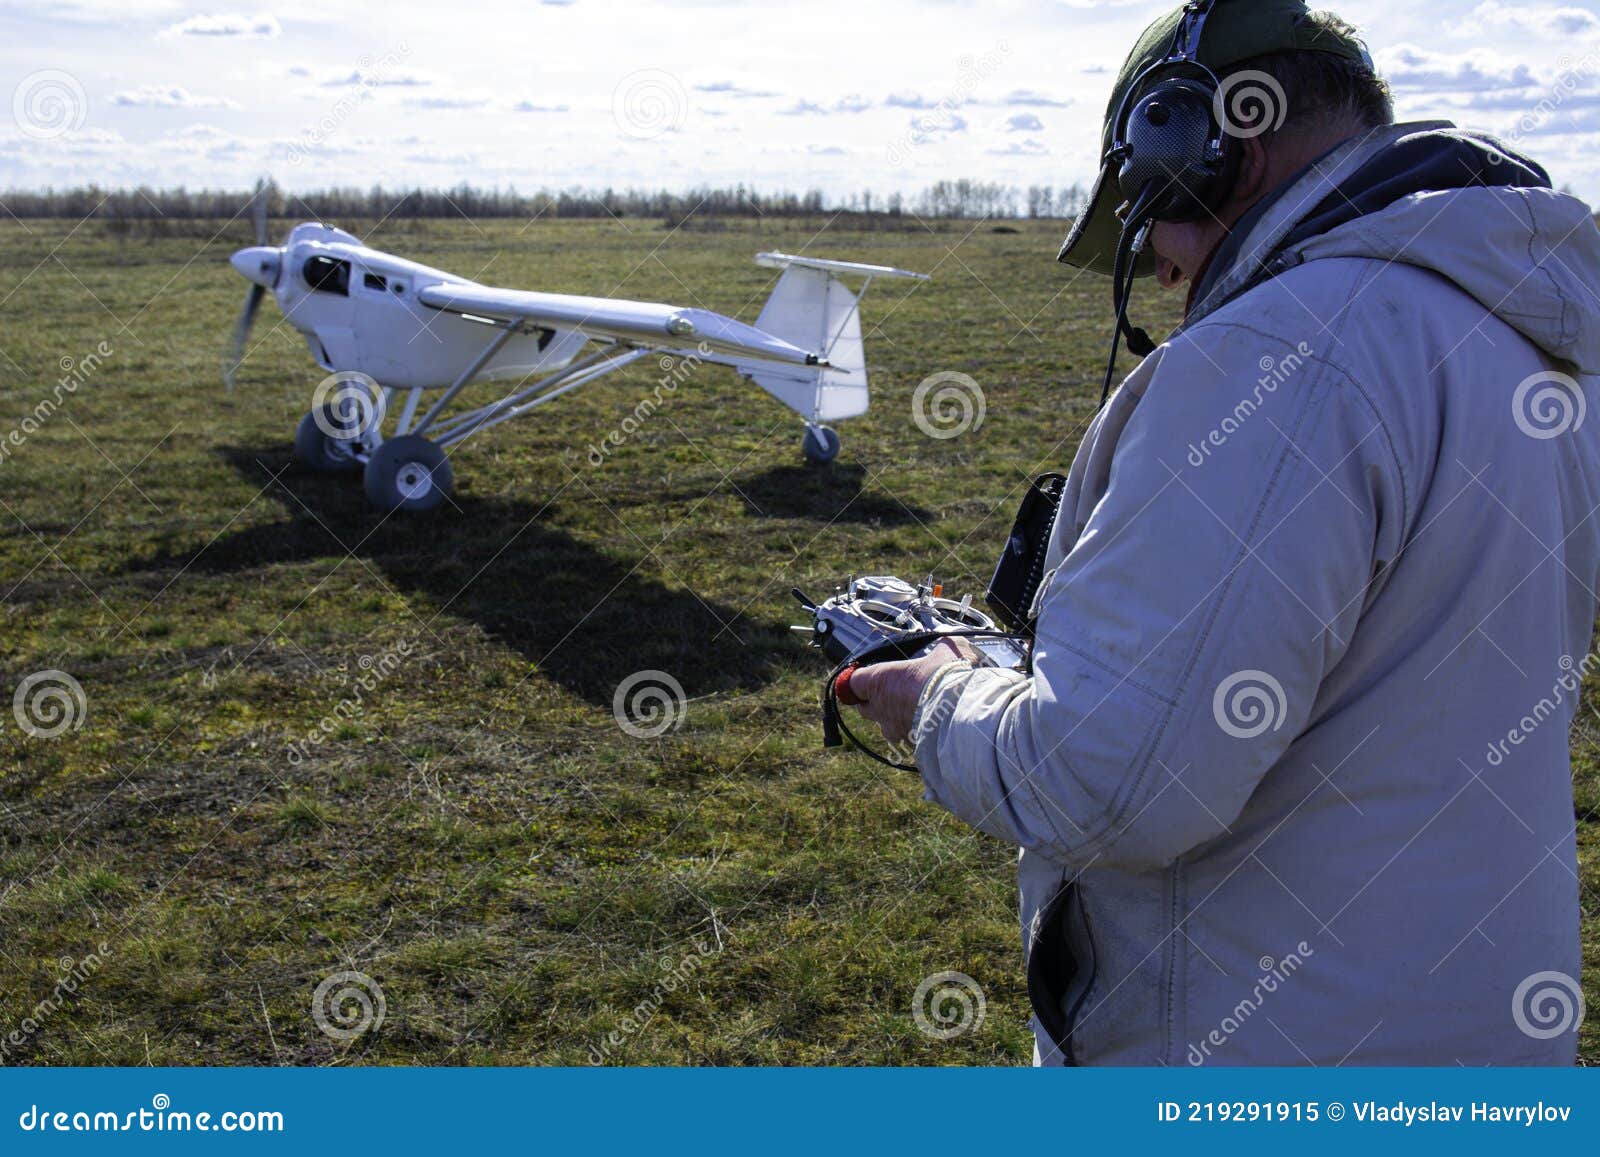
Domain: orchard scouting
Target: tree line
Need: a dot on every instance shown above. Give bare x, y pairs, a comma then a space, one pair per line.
945, 199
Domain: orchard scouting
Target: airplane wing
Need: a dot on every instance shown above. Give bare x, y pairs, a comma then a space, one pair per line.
631, 322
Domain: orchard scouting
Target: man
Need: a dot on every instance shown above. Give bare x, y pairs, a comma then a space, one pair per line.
1290, 772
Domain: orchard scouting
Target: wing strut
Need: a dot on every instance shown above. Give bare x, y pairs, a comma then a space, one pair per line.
507, 328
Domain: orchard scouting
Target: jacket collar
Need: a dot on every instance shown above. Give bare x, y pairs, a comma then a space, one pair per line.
1256, 239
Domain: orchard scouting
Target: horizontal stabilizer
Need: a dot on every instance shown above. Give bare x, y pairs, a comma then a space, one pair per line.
775, 260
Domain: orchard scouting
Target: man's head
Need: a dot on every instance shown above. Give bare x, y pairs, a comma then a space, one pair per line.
1290, 85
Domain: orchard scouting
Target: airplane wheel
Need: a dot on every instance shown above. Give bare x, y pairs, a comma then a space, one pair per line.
821, 445
318, 451
408, 473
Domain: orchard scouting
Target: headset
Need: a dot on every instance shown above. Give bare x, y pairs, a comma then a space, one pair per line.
1172, 155
1172, 158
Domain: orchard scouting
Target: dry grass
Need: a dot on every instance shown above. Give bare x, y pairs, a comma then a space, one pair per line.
480, 837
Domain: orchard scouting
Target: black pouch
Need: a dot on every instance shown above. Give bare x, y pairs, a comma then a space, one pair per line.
1021, 568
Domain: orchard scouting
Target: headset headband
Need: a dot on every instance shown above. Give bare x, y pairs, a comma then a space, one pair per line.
1185, 50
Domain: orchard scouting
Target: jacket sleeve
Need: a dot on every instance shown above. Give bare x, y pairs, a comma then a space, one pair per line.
1183, 639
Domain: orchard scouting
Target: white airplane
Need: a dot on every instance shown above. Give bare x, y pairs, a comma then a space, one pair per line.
385, 327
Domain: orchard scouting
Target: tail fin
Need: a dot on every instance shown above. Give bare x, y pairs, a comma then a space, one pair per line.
811, 307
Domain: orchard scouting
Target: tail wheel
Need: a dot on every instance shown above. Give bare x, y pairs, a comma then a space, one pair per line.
324, 452
820, 445
408, 473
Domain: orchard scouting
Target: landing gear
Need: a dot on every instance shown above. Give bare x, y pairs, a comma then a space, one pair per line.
328, 453
820, 445
408, 473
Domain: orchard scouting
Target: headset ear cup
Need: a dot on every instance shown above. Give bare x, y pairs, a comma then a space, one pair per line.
1171, 138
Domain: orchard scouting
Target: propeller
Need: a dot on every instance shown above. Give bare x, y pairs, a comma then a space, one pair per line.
241, 333
258, 211
260, 265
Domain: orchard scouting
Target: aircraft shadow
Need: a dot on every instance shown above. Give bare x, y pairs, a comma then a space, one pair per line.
587, 619
834, 494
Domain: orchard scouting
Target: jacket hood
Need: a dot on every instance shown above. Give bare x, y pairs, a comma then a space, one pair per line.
1457, 204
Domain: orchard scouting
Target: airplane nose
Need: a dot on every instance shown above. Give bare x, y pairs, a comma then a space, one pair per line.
259, 263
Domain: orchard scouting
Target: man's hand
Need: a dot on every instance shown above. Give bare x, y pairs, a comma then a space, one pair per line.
889, 692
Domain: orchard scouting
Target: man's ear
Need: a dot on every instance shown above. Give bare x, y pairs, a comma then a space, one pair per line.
1250, 177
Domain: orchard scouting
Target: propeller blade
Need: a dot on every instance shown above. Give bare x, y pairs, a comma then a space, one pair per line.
241, 333
258, 212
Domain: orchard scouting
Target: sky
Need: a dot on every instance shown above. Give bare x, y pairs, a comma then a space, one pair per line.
838, 95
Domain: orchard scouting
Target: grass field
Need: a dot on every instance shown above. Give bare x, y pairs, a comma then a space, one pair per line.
520, 876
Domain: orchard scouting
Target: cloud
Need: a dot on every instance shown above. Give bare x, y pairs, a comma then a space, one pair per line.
1533, 18
459, 160
529, 106
1545, 108
1026, 96
923, 127
445, 99
803, 108
1407, 66
167, 96
825, 150
1023, 122
736, 91
1027, 148
83, 142
231, 24
377, 79
204, 140
855, 102
911, 100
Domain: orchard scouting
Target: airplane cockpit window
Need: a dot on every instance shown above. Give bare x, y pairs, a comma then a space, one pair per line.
375, 281
327, 275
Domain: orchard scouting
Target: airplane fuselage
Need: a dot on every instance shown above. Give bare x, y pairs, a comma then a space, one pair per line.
358, 311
